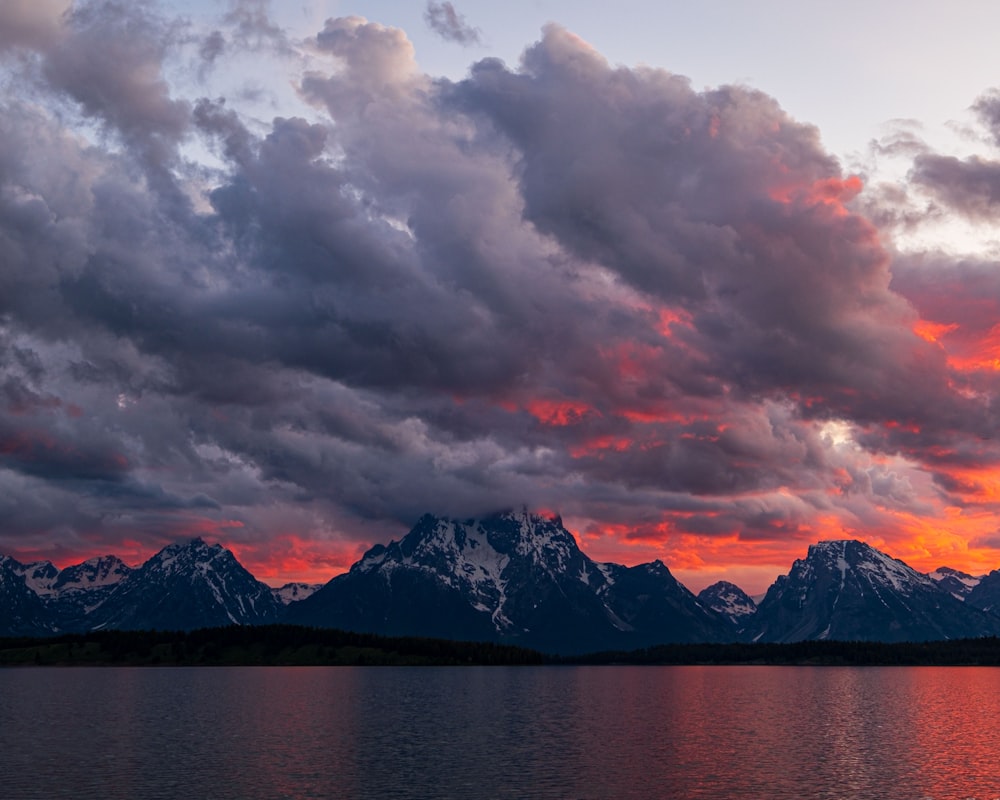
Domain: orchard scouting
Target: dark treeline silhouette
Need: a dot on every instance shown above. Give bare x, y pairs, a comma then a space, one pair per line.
254, 645
958, 652
272, 645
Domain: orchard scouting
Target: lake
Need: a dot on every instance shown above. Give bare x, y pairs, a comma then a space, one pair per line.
494, 732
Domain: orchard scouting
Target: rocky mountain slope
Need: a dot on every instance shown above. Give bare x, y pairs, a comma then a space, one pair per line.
956, 583
22, 611
730, 601
513, 577
847, 590
185, 586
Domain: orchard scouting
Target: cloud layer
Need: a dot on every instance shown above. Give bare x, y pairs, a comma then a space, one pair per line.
668, 314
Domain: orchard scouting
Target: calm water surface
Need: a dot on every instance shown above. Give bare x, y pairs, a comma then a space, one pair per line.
522, 732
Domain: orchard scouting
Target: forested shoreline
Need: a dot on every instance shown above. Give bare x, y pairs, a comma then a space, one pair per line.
281, 645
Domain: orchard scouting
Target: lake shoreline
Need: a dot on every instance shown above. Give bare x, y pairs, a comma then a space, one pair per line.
284, 645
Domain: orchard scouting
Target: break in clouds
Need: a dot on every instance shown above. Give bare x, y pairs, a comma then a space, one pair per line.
668, 314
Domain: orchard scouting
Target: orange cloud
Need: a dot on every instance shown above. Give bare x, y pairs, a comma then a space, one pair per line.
559, 413
831, 192
933, 331
599, 444
982, 353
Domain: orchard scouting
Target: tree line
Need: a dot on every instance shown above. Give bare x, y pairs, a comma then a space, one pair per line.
264, 645
276, 645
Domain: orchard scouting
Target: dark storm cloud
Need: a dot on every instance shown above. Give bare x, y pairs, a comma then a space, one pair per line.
757, 449
970, 186
444, 20
992, 541
787, 290
42, 453
950, 290
567, 284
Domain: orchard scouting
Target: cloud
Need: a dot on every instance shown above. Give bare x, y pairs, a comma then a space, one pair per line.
665, 312
992, 541
444, 20
251, 28
31, 23
212, 47
987, 109
970, 186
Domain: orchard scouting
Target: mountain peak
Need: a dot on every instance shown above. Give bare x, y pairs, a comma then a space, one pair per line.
842, 547
99, 571
514, 576
295, 591
188, 584
189, 550
38, 575
656, 567
948, 571
958, 584
528, 517
499, 536
195, 543
729, 600
847, 589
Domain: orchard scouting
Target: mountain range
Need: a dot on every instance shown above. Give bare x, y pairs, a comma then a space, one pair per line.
512, 577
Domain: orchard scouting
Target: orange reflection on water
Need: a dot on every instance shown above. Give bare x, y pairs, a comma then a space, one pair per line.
956, 714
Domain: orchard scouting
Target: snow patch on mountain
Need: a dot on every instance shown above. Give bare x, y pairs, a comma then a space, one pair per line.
291, 592
473, 556
94, 573
38, 576
729, 600
848, 590
876, 567
516, 577
958, 584
187, 585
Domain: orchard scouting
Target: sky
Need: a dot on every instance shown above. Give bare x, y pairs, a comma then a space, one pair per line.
712, 281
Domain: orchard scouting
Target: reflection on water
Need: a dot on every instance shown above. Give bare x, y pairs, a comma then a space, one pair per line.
521, 732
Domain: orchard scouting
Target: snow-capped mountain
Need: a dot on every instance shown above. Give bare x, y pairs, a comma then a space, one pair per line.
46, 580
513, 577
958, 584
185, 586
22, 610
78, 590
101, 572
986, 593
38, 575
42, 599
848, 590
728, 600
291, 592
